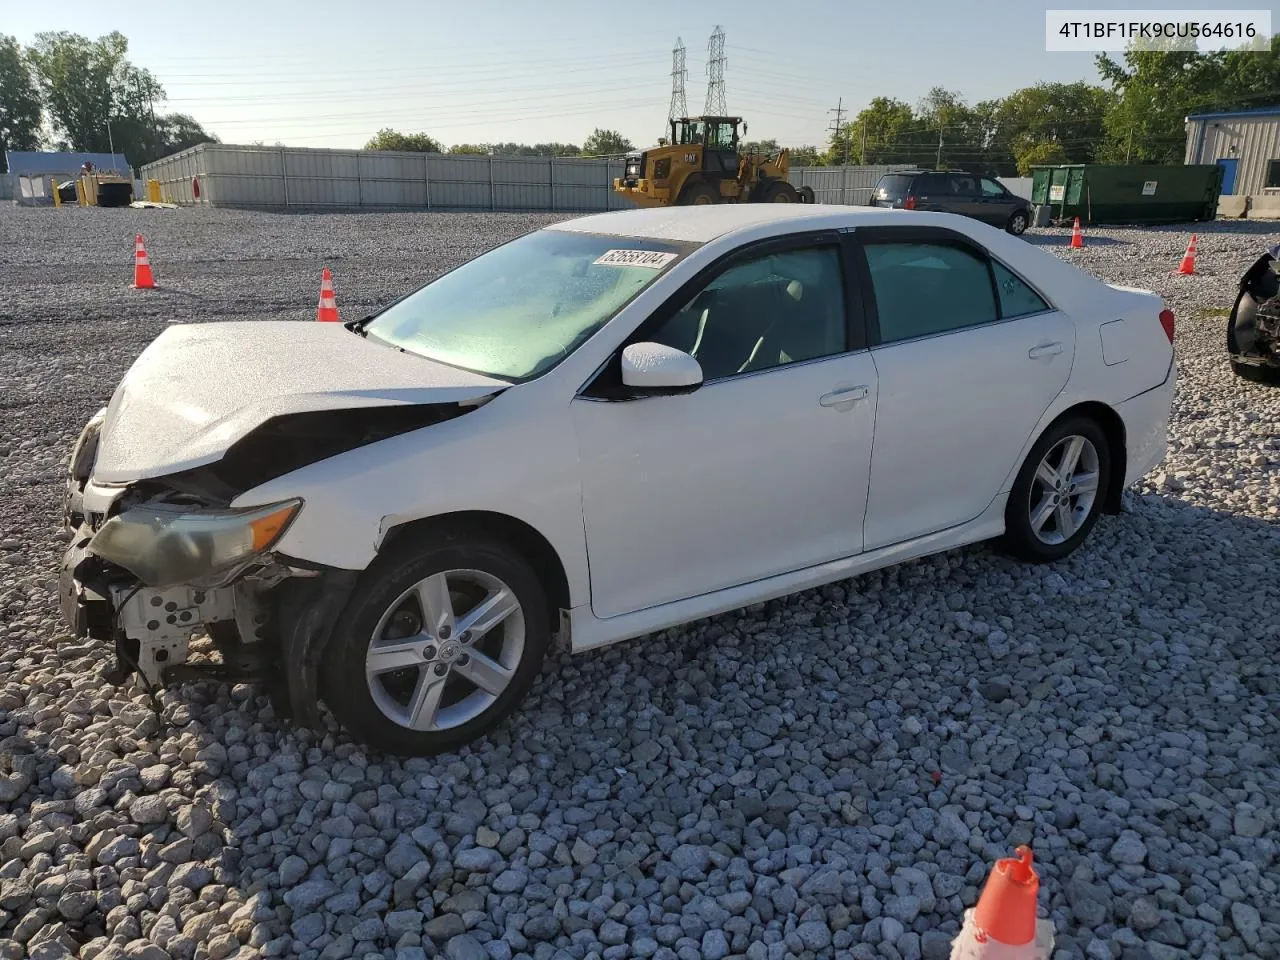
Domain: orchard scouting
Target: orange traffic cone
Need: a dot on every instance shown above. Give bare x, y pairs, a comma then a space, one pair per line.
1077, 238
142, 277
1188, 264
327, 310
1004, 924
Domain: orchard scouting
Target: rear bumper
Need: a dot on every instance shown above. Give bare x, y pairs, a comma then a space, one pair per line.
1146, 426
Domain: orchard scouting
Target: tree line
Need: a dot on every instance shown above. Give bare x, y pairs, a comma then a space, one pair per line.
67, 92
601, 143
1137, 117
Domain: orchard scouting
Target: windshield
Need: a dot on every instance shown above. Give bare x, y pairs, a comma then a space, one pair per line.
521, 308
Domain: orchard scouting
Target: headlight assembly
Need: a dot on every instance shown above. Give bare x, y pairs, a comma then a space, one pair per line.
164, 544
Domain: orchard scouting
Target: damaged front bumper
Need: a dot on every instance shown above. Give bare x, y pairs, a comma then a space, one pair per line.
269, 624
269, 616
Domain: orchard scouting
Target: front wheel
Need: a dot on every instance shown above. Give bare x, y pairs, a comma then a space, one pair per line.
1018, 223
1058, 494
806, 195
699, 194
438, 645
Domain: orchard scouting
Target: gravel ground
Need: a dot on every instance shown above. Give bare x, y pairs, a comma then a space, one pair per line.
831, 774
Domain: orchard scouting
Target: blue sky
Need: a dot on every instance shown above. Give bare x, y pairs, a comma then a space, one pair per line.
329, 74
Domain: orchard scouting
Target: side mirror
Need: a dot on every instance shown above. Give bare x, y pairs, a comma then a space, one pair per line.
654, 368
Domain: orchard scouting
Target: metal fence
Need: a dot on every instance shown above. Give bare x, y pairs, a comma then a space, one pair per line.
6, 187
848, 185
275, 177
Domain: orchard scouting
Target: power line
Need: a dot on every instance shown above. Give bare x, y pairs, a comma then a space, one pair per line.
716, 106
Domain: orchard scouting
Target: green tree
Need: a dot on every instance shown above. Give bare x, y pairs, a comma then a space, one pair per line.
1070, 115
90, 88
1045, 152
807, 156
1155, 89
880, 133
19, 100
178, 131
606, 143
388, 139
760, 146
482, 149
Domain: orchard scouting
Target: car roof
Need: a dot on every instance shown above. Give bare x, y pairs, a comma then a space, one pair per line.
702, 224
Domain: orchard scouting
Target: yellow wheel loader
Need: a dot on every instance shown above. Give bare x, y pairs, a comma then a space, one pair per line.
702, 164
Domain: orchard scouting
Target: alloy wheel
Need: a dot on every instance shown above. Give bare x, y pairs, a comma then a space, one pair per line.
1064, 490
445, 650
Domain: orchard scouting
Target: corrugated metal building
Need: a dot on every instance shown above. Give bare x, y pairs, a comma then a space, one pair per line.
1245, 143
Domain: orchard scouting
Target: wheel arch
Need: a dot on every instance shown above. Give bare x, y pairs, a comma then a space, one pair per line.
1117, 445
525, 539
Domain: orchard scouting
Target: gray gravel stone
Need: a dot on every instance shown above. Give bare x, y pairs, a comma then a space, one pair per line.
754, 777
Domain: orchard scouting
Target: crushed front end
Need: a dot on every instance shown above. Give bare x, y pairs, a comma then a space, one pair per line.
152, 564
1253, 328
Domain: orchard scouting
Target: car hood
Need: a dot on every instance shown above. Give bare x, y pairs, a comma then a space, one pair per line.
197, 388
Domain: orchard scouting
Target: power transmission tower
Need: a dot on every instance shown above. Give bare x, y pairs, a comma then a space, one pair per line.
679, 105
838, 110
716, 106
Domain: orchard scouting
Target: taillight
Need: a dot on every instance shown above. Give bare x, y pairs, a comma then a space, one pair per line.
1166, 321
909, 203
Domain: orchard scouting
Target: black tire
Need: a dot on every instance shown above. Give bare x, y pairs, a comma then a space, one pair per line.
1019, 220
780, 191
699, 193
1021, 538
806, 195
1256, 373
343, 680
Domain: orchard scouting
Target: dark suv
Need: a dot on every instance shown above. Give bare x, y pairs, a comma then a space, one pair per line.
953, 191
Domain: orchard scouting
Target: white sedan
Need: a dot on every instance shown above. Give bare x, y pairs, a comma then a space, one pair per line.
601, 429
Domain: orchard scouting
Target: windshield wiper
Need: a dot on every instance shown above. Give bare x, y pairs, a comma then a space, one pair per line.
359, 326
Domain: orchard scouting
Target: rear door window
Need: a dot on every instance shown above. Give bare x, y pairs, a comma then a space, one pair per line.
922, 289
933, 185
963, 186
1016, 298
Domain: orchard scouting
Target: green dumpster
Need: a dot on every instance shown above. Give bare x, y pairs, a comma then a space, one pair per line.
1134, 194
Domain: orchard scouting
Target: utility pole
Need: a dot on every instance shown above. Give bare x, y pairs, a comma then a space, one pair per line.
938, 164
864, 143
1129, 149
838, 110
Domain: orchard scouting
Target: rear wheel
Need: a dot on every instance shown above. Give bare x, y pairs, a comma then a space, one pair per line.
1058, 494
780, 191
438, 645
699, 194
806, 195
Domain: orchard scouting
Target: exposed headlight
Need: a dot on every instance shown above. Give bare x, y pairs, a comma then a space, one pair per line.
164, 544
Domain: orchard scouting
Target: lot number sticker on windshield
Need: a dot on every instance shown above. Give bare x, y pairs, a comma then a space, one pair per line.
635, 258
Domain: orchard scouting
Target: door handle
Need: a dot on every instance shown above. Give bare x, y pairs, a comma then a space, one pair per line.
843, 396
1044, 350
